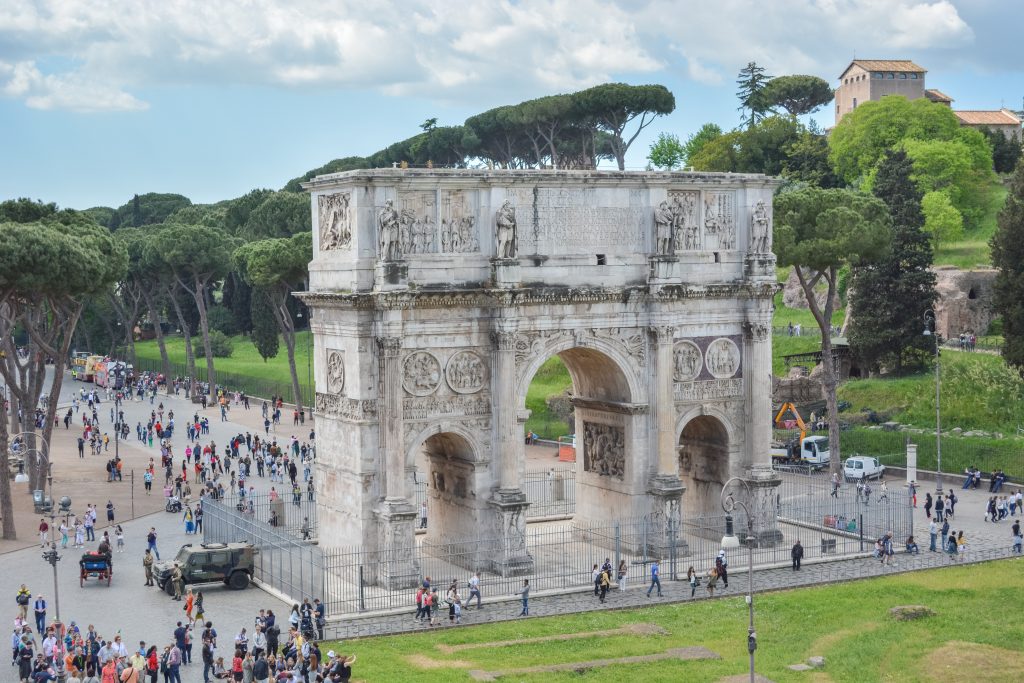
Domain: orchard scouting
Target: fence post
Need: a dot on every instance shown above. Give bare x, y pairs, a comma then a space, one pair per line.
362, 596
861, 525
618, 546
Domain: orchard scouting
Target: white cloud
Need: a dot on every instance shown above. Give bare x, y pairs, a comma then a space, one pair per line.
92, 54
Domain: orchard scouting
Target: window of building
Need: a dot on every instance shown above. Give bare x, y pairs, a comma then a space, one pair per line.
903, 77
854, 102
837, 109
890, 76
913, 77
876, 74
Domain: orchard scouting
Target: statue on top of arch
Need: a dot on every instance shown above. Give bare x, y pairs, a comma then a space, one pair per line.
505, 222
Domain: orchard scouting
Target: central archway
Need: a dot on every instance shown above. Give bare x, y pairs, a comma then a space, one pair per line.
703, 465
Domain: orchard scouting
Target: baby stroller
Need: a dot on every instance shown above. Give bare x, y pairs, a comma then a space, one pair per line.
173, 505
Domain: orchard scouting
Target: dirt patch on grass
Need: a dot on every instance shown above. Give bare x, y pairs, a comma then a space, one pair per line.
627, 630
960, 662
424, 662
681, 653
821, 645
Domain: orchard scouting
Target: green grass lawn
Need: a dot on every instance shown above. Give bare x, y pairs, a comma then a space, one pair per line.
551, 380
972, 250
847, 623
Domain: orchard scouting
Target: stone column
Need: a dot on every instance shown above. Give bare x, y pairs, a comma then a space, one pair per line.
396, 567
666, 489
757, 374
508, 501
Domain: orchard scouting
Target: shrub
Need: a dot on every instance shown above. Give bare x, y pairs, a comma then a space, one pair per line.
220, 344
223, 320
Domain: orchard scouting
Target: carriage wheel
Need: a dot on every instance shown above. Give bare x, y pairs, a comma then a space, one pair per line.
81, 580
109, 574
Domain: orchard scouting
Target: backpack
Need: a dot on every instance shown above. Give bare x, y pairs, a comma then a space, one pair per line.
22, 598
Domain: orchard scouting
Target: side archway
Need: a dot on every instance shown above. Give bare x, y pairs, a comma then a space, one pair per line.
447, 457
704, 452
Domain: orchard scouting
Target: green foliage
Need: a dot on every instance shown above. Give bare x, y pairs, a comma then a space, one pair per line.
806, 160
719, 154
667, 153
275, 262
264, 326
614, 106
24, 210
208, 215
797, 94
866, 133
195, 254
221, 345
959, 167
942, 220
1008, 257
695, 142
1006, 152
751, 81
551, 380
236, 297
333, 166
222, 319
892, 291
102, 215
150, 208
281, 214
825, 229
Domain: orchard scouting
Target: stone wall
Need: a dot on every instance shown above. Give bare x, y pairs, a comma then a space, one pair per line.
964, 301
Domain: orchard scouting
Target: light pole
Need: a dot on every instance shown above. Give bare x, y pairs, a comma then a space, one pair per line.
729, 541
22, 477
931, 329
52, 557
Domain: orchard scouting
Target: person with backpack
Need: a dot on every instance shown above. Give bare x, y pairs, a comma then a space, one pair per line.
722, 565
22, 598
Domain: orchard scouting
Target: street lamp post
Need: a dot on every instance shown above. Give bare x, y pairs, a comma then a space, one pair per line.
41, 455
729, 541
52, 558
931, 329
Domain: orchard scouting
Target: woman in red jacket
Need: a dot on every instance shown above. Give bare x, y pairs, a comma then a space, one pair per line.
152, 664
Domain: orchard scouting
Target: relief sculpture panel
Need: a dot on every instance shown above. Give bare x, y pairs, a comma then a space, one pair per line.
686, 361
465, 372
335, 371
604, 450
684, 206
421, 373
335, 214
722, 358
719, 221
417, 219
458, 224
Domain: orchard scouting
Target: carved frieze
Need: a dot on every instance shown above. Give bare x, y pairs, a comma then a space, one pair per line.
604, 450
708, 390
756, 331
335, 371
722, 358
334, 405
687, 361
417, 219
421, 373
465, 372
761, 229
335, 213
631, 340
532, 344
458, 224
685, 209
426, 407
719, 220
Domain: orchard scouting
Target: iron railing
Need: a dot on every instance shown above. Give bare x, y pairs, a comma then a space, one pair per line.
550, 494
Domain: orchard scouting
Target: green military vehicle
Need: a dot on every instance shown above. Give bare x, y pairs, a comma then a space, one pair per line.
230, 563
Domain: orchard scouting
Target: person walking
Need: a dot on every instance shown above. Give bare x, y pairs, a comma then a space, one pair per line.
423, 515
151, 542
835, 485
110, 513
474, 589
797, 554
940, 506
176, 581
525, 593
928, 505
40, 612
655, 578
722, 565
712, 580
933, 531
621, 574
691, 578
595, 578
1018, 540
605, 582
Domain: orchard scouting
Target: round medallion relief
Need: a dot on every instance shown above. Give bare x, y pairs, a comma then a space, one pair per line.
722, 358
335, 372
421, 373
465, 372
687, 361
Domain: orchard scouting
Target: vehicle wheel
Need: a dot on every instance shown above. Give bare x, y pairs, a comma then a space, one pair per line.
169, 588
109, 575
81, 581
238, 581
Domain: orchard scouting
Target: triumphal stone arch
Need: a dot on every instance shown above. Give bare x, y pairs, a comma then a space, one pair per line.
438, 294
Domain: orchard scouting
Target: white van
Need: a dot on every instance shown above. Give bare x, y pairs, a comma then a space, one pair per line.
862, 467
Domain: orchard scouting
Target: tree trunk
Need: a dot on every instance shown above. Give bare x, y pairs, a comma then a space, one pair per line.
186, 333
59, 362
165, 360
204, 326
287, 325
829, 379
6, 502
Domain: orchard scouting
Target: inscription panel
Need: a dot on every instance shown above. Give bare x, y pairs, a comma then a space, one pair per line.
708, 390
564, 220
437, 406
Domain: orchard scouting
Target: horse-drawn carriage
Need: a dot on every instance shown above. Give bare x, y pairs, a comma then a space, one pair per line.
95, 565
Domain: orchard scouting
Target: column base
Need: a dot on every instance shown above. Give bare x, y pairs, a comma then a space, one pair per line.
511, 557
759, 266
389, 275
397, 566
505, 273
764, 486
665, 539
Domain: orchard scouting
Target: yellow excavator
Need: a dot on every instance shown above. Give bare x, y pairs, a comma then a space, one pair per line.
805, 451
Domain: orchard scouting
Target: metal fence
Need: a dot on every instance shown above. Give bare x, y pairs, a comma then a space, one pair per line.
252, 386
550, 494
293, 511
282, 562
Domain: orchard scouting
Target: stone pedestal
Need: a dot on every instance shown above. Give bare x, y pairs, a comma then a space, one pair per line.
389, 275
665, 539
764, 488
505, 273
664, 268
396, 566
756, 266
512, 558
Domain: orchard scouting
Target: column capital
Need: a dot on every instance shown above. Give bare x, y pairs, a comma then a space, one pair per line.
503, 340
389, 346
662, 334
756, 331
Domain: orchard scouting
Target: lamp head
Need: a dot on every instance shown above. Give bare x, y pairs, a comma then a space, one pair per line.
729, 541
65, 504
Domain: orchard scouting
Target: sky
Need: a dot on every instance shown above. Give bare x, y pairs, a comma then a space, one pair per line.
102, 99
